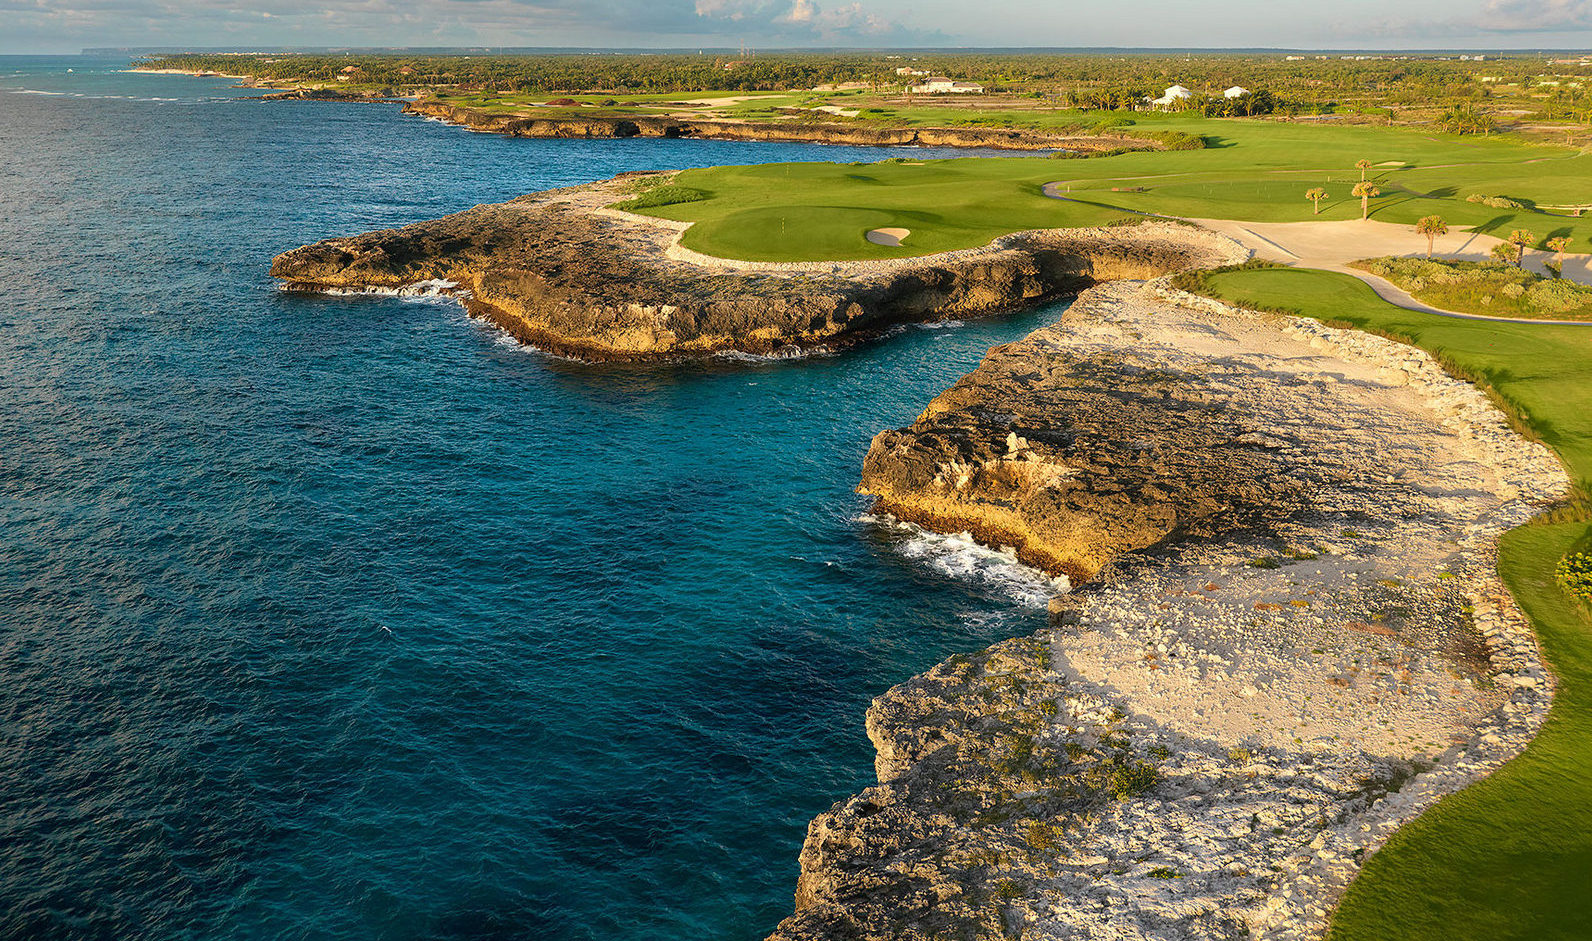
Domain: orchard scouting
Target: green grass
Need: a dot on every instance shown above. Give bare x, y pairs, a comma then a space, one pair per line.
1254, 171
1511, 856
665, 195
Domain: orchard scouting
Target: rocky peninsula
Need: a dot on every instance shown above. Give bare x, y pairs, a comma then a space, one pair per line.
562, 272
1291, 639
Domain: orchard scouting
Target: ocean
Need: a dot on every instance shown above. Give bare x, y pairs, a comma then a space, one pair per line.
349, 617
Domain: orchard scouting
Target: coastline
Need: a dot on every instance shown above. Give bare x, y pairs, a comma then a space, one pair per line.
1200, 745
819, 132
1076, 764
727, 129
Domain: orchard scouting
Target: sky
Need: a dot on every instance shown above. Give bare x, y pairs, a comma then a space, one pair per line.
66, 26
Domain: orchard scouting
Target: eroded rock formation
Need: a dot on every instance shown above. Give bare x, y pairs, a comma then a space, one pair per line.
560, 272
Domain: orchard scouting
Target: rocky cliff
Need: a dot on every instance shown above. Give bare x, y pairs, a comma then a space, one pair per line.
1072, 460
560, 272
1293, 641
809, 131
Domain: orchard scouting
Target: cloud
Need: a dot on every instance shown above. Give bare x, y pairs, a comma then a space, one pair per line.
723, 9
802, 11
65, 25
1494, 19
1535, 16
799, 20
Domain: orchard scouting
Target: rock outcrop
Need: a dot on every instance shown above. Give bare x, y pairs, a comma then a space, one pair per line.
800, 131
1074, 459
562, 273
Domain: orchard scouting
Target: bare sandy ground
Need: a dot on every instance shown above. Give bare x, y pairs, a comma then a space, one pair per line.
888, 236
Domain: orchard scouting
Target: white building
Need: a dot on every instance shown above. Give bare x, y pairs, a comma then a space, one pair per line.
1172, 95
908, 70
940, 85
1237, 91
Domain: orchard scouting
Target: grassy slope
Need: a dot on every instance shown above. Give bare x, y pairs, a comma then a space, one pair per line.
1511, 857
1257, 171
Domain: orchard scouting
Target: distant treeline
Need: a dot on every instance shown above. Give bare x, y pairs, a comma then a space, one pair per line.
1290, 83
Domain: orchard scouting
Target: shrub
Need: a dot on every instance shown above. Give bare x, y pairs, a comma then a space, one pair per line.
1575, 574
665, 195
1494, 202
1464, 284
1109, 124
1131, 779
1557, 297
1179, 140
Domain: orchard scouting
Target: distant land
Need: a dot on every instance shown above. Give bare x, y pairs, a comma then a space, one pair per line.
727, 50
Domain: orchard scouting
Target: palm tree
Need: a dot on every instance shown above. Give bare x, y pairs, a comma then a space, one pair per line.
1504, 252
1316, 195
1520, 238
1362, 166
1365, 191
1431, 227
1558, 243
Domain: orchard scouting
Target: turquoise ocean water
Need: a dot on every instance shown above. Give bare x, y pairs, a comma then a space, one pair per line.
349, 618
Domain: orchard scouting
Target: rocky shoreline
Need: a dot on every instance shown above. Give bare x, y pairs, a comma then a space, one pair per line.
788, 131
1280, 657
563, 273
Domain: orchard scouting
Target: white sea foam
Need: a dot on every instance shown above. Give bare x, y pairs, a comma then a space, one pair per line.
433, 289
779, 355
509, 341
78, 94
960, 557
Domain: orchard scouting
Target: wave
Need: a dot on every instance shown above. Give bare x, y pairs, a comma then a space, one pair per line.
780, 355
86, 95
959, 556
434, 288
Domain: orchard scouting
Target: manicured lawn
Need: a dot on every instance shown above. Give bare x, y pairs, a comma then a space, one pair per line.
1510, 857
1257, 171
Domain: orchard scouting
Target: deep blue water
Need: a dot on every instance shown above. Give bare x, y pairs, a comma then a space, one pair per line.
347, 618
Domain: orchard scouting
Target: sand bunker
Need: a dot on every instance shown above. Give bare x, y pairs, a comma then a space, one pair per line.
891, 236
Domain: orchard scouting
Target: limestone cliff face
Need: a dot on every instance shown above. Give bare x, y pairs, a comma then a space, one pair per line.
560, 273
827, 133
1050, 456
